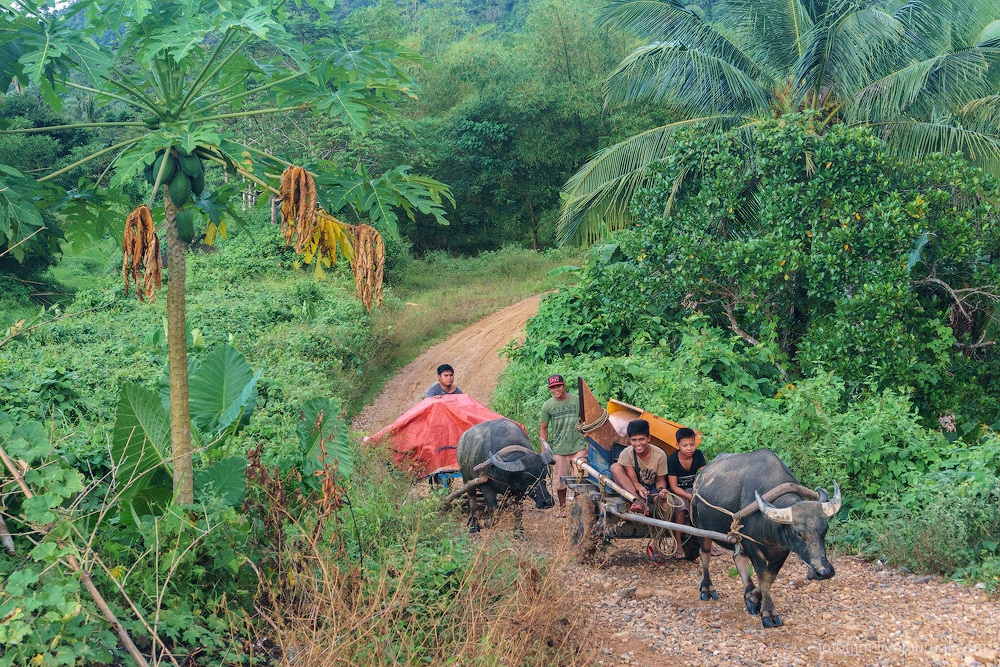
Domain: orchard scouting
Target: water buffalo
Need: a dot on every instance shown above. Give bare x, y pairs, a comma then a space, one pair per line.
736, 482
500, 450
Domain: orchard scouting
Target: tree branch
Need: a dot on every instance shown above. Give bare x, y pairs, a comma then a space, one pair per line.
85, 579
727, 307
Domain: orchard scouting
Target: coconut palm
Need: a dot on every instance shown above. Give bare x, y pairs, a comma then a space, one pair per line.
919, 74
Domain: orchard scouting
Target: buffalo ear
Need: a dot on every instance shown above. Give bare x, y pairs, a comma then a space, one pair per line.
782, 515
823, 495
831, 507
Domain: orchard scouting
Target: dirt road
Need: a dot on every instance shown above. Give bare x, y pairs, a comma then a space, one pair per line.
644, 614
475, 354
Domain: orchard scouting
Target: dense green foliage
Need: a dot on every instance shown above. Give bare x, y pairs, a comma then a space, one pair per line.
268, 536
922, 76
509, 106
820, 299
823, 250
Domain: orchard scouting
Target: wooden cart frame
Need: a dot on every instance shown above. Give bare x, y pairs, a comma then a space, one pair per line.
600, 514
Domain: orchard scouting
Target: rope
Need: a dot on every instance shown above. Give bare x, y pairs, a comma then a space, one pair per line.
660, 536
584, 428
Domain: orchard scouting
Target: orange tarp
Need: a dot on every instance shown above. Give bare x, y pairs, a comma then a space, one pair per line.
423, 440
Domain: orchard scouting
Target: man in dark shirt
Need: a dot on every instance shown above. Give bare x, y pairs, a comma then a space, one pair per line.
445, 384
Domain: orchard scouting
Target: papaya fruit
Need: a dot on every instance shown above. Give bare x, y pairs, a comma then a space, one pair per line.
185, 224
198, 184
179, 189
152, 122
168, 173
191, 165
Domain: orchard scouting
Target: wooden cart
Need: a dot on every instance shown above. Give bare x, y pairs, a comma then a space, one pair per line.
600, 511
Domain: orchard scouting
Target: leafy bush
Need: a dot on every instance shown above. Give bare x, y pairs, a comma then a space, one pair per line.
821, 250
891, 468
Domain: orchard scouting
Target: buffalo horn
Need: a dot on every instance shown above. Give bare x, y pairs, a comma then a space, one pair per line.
547, 455
775, 514
506, 466
510, 449
831, 507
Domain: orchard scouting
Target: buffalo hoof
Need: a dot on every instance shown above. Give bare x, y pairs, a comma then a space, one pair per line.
519, 534
753, 608
709, 595
771, 621
473, 529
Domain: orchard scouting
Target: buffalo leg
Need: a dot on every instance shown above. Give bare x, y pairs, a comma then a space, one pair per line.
473, 519
518, 525
490, 497
751, 594
765, 575
706, 589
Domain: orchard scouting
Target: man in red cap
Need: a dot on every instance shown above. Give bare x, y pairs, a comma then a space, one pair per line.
561, 413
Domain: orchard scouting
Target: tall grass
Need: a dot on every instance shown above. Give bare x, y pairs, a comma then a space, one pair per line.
384, 581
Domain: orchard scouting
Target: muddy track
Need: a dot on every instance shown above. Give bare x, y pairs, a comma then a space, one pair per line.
643, 614
475, 354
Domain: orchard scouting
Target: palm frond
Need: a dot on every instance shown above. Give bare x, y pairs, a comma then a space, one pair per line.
928, 32
686, 79
670, 21
602, 188
989, 35
967, 18
982, 114
942, 82
844, 49
912, 139
775, 29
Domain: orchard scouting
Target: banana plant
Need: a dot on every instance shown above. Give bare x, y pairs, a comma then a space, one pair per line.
186, 69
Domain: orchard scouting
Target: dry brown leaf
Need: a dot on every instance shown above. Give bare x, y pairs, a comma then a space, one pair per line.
141, 254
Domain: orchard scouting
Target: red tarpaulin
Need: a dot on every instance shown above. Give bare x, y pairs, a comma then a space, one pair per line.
423, 440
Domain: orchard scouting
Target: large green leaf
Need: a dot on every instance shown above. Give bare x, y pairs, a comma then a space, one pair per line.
224, 479
222, 390
19, 217
321, 429
140, 442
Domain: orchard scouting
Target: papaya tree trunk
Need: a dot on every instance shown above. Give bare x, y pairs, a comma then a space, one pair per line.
180, 409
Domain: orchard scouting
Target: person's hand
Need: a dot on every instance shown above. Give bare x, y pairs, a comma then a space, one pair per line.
662, 493
643, 492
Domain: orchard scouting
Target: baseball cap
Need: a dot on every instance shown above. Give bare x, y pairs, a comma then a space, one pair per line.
556, 380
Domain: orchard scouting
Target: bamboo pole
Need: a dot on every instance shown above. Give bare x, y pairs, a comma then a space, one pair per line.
668, 525
88, 583
602, 479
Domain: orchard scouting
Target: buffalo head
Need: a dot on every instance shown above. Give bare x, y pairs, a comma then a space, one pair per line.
526, 471
805, 525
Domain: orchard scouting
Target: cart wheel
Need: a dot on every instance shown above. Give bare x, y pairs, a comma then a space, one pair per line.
583, 526
691, 546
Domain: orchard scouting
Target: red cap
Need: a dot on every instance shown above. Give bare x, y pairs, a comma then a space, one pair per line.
556, 381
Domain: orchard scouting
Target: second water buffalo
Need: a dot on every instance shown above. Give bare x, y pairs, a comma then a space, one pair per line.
770, 531
500, 450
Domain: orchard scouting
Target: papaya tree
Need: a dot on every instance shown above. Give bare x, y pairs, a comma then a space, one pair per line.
185, 70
